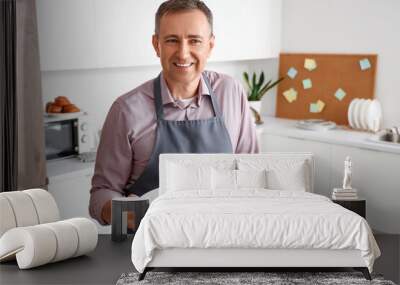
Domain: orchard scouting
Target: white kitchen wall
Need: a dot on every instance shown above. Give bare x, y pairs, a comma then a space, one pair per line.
355, 26
331, 26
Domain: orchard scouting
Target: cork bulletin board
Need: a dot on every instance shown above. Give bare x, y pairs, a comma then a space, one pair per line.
321, 86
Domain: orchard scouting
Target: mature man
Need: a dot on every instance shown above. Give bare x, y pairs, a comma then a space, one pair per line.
184, 110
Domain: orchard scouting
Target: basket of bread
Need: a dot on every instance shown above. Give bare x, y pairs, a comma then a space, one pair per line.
61, 105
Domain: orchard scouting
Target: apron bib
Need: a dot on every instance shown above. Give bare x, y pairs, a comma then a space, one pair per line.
189, 136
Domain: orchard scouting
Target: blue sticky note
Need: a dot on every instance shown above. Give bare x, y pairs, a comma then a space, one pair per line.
365, 64
307, 84
340, 94
314, 108
292, 72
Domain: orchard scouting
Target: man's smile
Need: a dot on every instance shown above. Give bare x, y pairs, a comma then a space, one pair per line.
183, 65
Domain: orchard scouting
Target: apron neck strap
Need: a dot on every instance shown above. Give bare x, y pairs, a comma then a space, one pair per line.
158, 99
214, 103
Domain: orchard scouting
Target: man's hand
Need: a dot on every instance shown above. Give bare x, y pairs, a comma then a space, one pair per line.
106, 216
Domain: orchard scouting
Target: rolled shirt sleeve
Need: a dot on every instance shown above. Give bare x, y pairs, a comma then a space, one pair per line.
113, 162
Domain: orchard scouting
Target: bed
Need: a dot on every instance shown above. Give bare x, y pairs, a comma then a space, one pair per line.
244, 211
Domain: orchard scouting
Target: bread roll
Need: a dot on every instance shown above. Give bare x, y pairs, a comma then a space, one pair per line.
62, 101
48, 106
54, 109
71, 108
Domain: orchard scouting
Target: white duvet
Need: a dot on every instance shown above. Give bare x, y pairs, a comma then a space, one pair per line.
252, 218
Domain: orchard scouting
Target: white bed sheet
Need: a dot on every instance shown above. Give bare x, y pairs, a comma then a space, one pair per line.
251, 218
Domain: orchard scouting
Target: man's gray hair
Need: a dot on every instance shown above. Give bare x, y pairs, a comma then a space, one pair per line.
173, 6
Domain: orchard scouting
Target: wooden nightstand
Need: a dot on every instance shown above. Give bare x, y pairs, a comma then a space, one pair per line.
358, 206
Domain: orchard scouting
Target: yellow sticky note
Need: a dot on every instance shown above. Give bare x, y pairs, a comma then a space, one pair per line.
321, 105
310, 64
290, 95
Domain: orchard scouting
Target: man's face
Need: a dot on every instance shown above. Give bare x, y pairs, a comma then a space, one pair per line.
183, 45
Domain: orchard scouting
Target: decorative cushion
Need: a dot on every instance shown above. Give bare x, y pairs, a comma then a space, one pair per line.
66, 237
87, 232
45, 205
40, 244
7, 215
31, 233
24, 211
27, 208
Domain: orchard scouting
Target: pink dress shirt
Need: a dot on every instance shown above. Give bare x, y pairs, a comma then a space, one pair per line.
128, 134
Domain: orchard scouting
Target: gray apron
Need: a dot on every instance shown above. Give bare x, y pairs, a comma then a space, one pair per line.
189, 136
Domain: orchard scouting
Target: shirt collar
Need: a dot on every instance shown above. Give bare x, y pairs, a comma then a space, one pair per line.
167, 97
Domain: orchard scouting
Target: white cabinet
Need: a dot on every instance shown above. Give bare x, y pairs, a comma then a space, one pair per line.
87, 34
246, 29
66, 34
70, 188
123, 32
376, 174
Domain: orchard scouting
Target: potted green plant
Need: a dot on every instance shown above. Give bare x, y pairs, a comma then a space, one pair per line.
257, 89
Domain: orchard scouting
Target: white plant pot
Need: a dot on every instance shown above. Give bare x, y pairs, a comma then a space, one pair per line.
256, 106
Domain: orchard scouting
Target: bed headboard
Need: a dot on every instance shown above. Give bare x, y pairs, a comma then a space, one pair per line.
234, 158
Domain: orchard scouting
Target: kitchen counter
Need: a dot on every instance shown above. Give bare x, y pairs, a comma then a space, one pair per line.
67, 168
342, 135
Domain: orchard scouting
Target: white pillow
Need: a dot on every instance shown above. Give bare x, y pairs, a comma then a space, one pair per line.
281, 174
226, 179
251, 178
183, 177
223, 179
293, 178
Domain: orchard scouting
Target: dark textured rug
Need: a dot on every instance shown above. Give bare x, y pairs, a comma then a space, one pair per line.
243, 278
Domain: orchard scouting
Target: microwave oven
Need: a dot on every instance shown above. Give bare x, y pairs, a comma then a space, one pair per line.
66, 135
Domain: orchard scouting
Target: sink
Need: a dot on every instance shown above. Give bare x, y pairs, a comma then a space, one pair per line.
388, 137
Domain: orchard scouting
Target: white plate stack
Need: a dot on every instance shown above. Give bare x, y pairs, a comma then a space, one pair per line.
344, 194
365, 114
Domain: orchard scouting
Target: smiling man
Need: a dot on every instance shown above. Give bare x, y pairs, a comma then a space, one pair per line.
184, 110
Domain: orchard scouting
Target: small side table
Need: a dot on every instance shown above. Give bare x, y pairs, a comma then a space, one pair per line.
119, 215
358, 206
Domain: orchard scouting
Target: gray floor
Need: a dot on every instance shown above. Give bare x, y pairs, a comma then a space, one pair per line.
110, 260
103, 266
